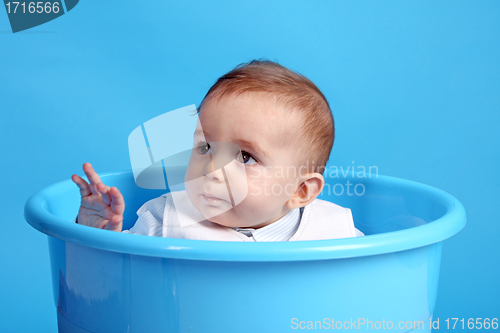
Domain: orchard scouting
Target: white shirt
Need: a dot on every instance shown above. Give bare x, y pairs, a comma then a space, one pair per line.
151, 223
279, 231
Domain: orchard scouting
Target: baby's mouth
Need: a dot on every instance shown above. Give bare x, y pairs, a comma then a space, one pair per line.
214, 195
210, 198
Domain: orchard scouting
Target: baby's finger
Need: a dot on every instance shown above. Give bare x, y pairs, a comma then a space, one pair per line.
117, 202
82, 185
92, 176
104, 190
115, 223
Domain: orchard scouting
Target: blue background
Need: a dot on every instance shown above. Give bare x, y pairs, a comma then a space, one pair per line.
414, 87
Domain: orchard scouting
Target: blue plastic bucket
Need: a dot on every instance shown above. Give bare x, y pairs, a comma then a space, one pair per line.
105, 281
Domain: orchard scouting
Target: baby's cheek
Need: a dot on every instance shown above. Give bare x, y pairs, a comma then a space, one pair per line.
255, 187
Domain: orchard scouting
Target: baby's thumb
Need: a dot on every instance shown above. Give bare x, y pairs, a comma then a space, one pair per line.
115, 223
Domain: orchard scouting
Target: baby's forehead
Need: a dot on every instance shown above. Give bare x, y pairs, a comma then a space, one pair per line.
269, 106
261, 120
277, 112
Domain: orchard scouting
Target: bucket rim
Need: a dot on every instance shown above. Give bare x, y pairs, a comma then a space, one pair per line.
435, 231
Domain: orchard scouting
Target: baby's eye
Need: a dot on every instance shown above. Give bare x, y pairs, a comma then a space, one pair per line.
246, 158
203, 148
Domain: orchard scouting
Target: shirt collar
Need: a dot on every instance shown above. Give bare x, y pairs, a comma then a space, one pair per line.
279, 231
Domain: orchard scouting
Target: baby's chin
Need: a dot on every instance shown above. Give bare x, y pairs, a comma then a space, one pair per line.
223, 216
227, 219
223, 222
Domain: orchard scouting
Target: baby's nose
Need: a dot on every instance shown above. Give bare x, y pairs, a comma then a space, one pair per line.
215, 175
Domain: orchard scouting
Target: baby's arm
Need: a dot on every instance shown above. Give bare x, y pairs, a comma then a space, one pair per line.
101, 206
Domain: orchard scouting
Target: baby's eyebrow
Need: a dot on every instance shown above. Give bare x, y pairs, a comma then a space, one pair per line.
254, 147
241, 143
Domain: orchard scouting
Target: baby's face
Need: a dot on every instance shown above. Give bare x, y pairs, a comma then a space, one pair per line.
267, 170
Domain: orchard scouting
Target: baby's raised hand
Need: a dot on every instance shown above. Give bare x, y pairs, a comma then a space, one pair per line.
101, 206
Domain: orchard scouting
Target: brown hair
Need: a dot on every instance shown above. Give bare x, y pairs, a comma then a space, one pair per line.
295, 92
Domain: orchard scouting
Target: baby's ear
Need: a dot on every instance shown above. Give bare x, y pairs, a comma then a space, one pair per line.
311, 186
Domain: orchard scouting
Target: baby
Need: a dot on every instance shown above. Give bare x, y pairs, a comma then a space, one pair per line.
283, 129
